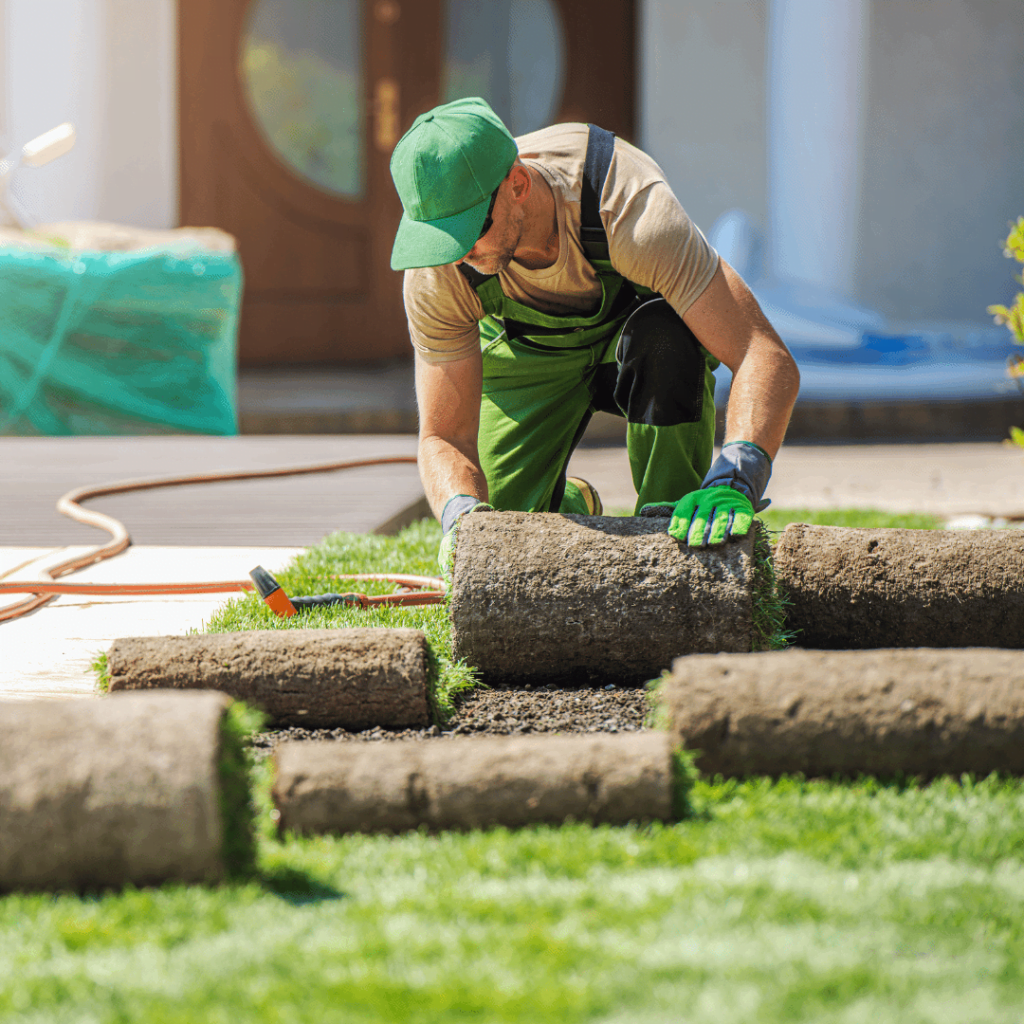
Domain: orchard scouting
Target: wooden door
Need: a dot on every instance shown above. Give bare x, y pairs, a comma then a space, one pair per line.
315, 232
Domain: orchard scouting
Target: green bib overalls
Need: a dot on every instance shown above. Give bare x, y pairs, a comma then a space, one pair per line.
544, 376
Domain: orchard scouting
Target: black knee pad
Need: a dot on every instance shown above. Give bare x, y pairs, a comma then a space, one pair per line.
660, 372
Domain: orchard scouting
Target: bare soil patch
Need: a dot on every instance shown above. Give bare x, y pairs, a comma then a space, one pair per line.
507, 711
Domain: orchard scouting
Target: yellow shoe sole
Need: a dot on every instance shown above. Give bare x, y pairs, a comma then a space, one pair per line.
590, 495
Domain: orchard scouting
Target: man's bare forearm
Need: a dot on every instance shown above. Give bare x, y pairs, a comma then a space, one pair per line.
447, 469
448, 397
762, 397
732, 326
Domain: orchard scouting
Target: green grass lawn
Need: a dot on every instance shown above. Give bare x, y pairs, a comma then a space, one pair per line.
774, 902
780, 902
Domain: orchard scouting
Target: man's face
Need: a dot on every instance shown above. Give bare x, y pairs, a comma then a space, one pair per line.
496, 246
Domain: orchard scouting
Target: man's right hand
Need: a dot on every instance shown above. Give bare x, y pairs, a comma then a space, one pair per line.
455, 508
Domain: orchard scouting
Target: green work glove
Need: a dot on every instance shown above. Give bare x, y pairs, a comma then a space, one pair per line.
711, 516
725, 504
456, 507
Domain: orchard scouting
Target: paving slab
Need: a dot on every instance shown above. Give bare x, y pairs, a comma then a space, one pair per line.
288, 511
48, 652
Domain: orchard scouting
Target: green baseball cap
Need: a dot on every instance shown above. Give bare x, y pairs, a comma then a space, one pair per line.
445, 168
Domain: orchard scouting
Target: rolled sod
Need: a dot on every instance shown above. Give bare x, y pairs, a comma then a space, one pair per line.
851, 588
540, 596
917, 712
133, 789
473, 783
322, 678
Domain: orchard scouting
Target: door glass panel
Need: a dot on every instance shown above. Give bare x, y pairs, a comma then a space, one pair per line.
301, 67
510, 52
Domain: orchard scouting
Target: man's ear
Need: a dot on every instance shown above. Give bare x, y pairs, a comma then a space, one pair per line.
521, 182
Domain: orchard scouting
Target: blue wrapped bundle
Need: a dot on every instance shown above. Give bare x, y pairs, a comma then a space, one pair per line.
107, 330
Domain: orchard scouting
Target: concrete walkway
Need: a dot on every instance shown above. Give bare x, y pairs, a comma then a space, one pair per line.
945, 480
221, 531
48, 653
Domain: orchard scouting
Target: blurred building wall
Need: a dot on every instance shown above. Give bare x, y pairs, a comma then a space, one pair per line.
702, 102
941, 170
109, 67
944, 161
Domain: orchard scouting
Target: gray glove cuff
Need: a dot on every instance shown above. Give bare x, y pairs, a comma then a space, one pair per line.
455, 507
745, 467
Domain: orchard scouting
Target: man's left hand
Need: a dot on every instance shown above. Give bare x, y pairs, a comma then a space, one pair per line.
724, 506
711, 516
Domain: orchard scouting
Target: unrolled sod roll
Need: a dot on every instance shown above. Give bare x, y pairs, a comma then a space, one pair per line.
918, 712
902, 588
324, 678
539, 596
103, 793
473, 783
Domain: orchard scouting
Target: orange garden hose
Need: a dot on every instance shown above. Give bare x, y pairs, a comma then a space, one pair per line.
416, 590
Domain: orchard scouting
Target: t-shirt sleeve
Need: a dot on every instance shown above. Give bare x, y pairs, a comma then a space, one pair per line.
653, 242
443, 313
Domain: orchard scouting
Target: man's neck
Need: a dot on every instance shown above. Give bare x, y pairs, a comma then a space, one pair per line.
538, 245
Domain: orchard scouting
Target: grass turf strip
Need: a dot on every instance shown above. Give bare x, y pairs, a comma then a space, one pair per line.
787, 901
235, 771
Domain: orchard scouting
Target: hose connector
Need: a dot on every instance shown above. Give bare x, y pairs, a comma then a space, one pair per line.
281, 604
273, 595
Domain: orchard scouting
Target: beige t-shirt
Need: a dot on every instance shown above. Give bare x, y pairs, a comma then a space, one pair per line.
652, 242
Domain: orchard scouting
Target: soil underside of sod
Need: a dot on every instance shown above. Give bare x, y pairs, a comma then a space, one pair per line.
507, 711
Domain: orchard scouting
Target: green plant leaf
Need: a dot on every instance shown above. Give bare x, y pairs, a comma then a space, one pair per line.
1013, 316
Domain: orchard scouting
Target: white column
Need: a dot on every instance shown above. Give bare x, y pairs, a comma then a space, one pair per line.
109, 66
54, 74
140, 182
816, 64
5, 142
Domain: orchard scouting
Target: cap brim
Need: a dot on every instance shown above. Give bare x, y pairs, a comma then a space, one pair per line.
433, 243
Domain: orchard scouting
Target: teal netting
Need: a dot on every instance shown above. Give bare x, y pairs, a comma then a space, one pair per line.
136, 342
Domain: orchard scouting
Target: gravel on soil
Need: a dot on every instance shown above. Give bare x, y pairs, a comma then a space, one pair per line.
506, 711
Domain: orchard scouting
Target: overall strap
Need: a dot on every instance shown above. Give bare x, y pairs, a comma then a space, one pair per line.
473, 276
600, 147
